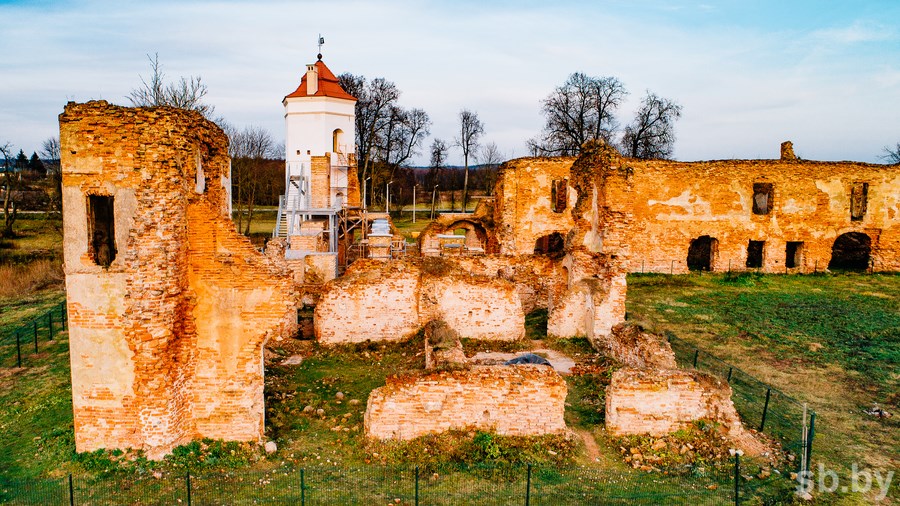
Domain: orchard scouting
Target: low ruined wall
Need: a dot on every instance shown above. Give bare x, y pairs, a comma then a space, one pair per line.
521, 400
389, 301
373, 301
662, 401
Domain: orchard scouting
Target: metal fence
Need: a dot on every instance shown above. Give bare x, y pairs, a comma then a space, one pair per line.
483, 485
761, 406
31, 337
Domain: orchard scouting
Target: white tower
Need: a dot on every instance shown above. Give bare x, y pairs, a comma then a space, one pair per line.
319, 122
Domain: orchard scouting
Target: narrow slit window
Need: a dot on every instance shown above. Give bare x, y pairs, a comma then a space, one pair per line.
559, 195
762, 198
755, 254
859, 197
793, 254
101, 230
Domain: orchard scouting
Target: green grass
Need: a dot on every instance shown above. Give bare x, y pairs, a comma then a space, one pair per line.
830, 340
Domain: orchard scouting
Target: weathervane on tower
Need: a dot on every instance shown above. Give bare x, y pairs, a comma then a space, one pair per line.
321, 41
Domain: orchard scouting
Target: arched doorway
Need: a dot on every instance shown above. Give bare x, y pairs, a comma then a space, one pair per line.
551, 244
851, 252
702, 253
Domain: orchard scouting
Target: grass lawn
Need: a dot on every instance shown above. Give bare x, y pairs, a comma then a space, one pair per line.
830, 340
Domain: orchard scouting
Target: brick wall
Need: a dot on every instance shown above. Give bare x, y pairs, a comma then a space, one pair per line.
647, 212
161, 338
389, 301
522, 400
522, 205
320, 182
662, 401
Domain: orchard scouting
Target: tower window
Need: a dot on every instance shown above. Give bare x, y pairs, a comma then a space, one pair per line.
101, 230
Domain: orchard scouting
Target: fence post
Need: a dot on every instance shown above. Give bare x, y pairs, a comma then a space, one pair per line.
762, 424
18, 350
696, 356
187, 479
71, 491
64, 316
417, 485
50, 323
528, 487
34, 327
730, 370
809, 438
816, 267
672, 268
302, 489
737, 478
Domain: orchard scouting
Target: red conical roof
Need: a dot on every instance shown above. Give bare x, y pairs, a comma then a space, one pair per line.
328, 85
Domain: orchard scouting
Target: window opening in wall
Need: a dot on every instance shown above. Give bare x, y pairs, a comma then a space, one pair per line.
702, 253
851, 251
755, 254
552, 244
559, 195
859, 196
793, 254
762, 198
101, 230
336, 140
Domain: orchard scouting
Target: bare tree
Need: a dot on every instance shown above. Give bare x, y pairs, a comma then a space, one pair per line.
652, 133
892, 156
374, 103
186, 93
470, 130
11, 181
250, 150
50, 151
580, 110
490, 158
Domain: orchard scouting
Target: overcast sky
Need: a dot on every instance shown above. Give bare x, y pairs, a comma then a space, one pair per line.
749, 74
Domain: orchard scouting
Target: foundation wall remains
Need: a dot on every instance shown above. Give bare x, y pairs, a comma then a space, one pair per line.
520, 400
389, 301
661, 401
169, 306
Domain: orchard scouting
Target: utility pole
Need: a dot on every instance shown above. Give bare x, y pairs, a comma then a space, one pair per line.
433, 193
414, 201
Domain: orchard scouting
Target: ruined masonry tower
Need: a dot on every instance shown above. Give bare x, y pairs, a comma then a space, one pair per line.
169, 307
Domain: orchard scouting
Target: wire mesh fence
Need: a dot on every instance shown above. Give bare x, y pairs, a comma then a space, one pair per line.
761, 406
31, 337
403, 485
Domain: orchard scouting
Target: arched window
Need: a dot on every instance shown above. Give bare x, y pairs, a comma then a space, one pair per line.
336, 138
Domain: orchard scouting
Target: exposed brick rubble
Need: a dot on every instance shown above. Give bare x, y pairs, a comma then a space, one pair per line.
518, 400
166, 341
631, 346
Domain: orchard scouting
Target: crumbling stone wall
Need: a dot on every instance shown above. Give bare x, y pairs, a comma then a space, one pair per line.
631, 346
661, 401
523, 210
168, 317
649, 212
520, 400
388, 301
